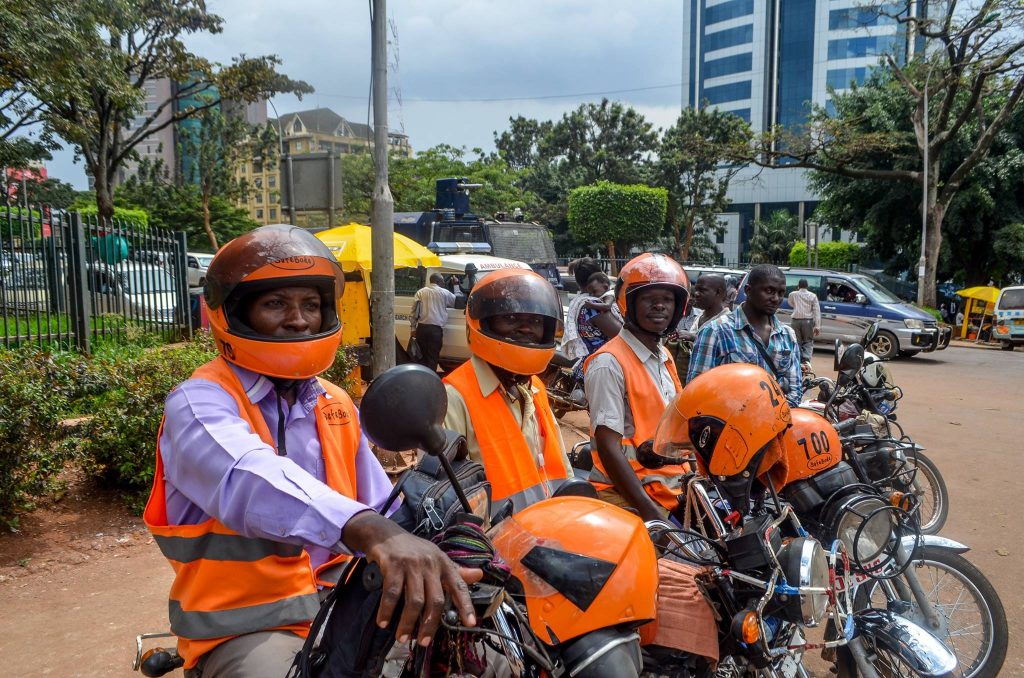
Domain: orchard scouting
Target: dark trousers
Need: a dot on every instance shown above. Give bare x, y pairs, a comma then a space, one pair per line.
429, 337
804, 329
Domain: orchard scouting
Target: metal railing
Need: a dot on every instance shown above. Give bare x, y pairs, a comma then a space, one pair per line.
66, 280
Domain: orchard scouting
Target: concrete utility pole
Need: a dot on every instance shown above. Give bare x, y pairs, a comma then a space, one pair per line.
382, 277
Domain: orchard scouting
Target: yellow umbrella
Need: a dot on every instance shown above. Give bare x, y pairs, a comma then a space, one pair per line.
351, 247
988, 294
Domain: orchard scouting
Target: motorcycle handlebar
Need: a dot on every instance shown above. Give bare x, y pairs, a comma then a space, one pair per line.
845, 427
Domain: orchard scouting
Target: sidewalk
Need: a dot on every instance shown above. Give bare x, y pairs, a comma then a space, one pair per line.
965, 343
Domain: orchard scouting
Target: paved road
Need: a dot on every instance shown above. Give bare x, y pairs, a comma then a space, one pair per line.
78, 616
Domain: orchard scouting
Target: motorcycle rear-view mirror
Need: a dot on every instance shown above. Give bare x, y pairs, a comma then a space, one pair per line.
404, 409
576, 487
870, 335
852, 359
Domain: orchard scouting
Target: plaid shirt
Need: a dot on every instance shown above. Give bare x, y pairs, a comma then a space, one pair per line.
730, 339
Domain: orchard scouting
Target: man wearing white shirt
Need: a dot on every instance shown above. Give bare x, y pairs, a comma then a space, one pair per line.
430, 314
806, 319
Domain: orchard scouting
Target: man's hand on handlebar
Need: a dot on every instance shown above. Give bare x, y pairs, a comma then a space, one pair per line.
412, 568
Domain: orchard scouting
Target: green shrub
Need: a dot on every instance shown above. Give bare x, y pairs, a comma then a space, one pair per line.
118, 444
624, 214
833, 255
36, 388
137, 216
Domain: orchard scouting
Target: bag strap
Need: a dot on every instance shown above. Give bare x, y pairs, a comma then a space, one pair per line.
763, 351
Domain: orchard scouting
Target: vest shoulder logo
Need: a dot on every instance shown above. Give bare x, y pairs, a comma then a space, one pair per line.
337, 414
293, 263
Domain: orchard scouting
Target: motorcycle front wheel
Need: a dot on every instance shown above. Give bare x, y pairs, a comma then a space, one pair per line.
971, 615
935, 498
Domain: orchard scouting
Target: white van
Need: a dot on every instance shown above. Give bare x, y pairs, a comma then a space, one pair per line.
408, 281
1009, 328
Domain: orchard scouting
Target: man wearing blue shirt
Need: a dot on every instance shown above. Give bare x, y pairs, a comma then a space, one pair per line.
752, 334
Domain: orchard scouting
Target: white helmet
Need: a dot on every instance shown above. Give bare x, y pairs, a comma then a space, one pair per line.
876, 372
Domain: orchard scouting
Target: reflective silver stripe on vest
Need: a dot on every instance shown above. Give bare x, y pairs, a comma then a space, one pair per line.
214, 546
332, 575
532, 495
671, 482
217, 624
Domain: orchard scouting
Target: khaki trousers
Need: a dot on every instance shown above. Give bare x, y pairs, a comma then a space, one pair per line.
264, 654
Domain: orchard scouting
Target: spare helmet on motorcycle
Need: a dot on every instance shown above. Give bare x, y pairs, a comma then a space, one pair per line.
810, 446
268, 258
730, 420
876, 373
512, 292
583, 564
651, 270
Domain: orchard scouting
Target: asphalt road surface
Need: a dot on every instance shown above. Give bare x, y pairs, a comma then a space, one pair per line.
83, 579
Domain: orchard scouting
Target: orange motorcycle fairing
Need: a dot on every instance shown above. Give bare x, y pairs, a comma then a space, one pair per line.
584, 565
809, 447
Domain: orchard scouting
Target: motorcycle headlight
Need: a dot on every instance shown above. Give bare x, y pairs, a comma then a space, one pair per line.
805, 566
864, 523
914, 324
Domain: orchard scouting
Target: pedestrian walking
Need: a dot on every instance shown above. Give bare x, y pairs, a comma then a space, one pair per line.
430, 315
806, 319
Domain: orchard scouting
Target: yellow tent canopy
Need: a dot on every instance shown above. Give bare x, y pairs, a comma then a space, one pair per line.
986, 293
351, 247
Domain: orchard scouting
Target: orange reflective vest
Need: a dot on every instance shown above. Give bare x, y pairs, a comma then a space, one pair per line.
646, 407
226, 585
514, 470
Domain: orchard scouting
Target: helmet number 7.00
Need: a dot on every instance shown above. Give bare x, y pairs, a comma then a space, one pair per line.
773, 390
819, 443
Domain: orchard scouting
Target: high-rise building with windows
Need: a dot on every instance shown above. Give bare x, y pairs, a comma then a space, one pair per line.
767, 61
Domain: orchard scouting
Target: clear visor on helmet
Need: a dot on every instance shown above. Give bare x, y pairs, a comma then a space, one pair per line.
516, 295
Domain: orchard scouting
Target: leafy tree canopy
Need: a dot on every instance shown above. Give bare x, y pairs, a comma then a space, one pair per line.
616, 214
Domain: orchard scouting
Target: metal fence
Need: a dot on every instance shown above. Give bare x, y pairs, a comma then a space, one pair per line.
67, 281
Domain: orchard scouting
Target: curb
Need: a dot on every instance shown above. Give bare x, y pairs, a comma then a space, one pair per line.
970, 344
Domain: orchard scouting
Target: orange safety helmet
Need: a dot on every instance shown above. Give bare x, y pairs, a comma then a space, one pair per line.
730, 419
505, 292
268, 258
652, 270
584, 565
809, 447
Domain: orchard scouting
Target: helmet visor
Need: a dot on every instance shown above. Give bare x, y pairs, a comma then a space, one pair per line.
514, 294
289, 250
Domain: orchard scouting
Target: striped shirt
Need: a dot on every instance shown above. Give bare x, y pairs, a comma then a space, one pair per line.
731, 339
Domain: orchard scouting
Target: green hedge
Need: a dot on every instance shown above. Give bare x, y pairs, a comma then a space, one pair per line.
139, 217
606, 212
833, 255
120, 389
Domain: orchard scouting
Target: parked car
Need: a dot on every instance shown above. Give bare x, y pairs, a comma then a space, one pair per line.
454, 350
135, 290
694, 272
850, 302
1009, 328
196, 264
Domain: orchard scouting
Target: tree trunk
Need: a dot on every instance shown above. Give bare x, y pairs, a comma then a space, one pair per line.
684, 254
936, 215
104, 196
206, 222
611, 257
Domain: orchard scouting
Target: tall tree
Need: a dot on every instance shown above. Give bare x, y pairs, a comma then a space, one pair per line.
973, 53
211, 153
97, 104
694, 165
519, 145
617, 215
773, 238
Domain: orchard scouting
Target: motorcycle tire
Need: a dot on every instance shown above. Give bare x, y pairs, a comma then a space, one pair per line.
991, 653
935, 510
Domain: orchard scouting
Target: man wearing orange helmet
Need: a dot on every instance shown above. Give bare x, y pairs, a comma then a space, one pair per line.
263, 479
495, 398
630, 380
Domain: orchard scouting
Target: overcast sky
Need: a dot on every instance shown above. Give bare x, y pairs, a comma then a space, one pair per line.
458, 51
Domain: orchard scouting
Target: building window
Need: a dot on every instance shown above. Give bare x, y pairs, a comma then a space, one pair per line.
259, 214
258, 182
840, 78
257, 166
737, 63
298, 146
273, 213
741, 35
728, 10
736, 91
272, 181
862, 17
861, 47
297, 126
259, 197
743, 113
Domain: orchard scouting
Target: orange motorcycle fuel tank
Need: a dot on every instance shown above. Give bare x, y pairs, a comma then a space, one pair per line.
584, 565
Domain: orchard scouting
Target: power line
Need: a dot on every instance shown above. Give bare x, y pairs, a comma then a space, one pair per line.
522, 98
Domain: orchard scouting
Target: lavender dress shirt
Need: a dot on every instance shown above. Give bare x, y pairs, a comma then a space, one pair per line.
214, 466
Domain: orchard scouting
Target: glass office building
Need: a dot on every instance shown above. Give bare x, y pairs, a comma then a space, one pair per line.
767, 61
